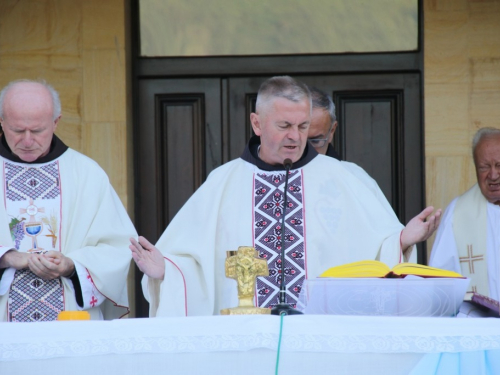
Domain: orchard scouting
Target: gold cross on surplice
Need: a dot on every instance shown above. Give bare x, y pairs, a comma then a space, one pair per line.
471, 258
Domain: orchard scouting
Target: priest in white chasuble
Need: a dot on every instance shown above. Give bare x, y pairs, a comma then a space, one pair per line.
468, 240
334, 215
64, 233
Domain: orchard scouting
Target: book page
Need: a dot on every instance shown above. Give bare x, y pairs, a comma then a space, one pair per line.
421, 270
364, 268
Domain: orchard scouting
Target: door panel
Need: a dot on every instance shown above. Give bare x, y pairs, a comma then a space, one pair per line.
178, 144
370, 129
180, 133
370, 139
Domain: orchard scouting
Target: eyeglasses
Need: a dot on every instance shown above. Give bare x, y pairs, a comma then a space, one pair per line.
320, 142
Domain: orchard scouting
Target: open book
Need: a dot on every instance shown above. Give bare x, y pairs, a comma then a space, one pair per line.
375, 268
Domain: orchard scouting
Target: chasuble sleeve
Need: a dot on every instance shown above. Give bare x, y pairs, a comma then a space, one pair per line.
189, 246
97, 231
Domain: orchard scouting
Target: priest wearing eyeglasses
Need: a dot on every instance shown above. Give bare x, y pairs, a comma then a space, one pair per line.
323, 123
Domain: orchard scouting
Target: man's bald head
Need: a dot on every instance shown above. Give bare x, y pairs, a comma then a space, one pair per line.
19, 84
29, 113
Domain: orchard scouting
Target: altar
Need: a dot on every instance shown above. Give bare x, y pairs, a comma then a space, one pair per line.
308, 344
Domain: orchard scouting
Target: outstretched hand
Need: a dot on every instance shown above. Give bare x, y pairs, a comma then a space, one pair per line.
421, 227
148, 258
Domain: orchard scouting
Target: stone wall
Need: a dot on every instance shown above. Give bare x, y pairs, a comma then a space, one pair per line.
77, 46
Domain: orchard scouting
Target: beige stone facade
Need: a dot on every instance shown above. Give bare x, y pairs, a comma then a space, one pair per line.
78, 46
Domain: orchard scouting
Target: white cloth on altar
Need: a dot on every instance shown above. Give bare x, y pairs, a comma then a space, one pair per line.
95, 234
247, 345
345, 221
445, 254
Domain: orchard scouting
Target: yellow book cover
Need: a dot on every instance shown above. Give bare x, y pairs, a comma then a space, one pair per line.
375, 268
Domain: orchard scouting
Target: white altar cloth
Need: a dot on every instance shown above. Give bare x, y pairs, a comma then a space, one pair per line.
244, 344
409, 296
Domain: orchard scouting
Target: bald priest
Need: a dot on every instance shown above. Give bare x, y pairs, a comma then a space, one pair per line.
333, 216
63, 231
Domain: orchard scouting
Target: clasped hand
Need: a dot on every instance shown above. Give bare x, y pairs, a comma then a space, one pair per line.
48, 266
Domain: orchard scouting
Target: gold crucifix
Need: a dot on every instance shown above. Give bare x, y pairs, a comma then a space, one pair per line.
244, 266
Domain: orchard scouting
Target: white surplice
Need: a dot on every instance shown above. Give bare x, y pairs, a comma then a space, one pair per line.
477, 232
341, 217
94, 232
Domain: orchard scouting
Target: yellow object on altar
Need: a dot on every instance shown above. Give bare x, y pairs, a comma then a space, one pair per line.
375, 268
73, 315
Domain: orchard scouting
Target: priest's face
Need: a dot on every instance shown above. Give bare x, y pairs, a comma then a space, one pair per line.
282, 126
487, 162
321, 130
28, 120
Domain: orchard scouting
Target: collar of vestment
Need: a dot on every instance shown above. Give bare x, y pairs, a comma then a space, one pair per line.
251, 155
57, 148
